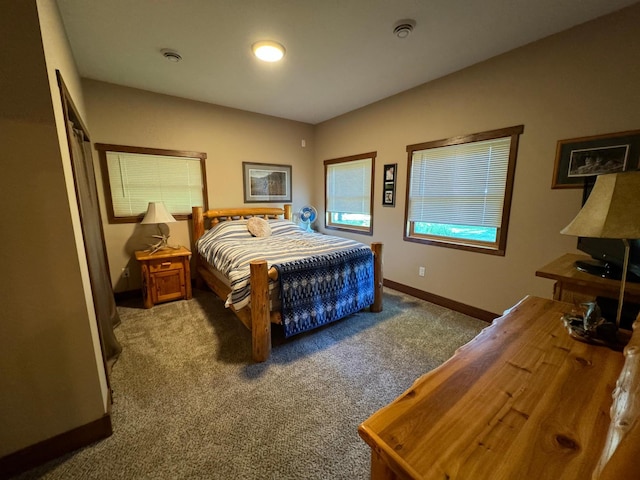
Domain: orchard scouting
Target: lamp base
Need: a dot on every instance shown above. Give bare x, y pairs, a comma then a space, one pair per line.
161, 245
606, 333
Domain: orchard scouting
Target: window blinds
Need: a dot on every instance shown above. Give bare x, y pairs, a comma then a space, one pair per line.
349, 187
137, 180
460, 184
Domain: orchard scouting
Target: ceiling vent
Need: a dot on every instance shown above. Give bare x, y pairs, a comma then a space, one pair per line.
171, 55
403, 28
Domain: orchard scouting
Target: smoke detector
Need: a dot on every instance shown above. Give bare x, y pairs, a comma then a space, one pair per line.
403, 28
171, 55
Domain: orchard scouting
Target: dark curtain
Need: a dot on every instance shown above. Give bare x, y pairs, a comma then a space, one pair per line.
87, 195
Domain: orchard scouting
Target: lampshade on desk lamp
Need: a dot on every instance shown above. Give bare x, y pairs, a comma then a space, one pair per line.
611, 211
157, 213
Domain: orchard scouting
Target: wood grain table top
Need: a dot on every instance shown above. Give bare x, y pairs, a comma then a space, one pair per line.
523, 400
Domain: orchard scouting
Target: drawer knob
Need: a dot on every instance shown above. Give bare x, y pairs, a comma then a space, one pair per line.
166, 264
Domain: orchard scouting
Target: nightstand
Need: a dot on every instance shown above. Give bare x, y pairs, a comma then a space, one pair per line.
166, 275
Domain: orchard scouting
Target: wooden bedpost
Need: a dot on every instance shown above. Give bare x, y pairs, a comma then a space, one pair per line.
260, 319
198, 230
198, 223
287, 211
376, 306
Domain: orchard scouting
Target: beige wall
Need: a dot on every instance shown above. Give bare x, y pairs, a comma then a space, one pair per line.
126, 116
581, 82
51, 377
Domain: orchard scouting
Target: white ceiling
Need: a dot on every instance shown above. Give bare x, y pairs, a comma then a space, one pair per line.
341, 54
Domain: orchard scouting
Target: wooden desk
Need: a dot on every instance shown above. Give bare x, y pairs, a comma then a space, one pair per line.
521, 401
575, 286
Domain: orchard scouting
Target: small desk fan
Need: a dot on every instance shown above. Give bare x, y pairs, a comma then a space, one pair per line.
308, 215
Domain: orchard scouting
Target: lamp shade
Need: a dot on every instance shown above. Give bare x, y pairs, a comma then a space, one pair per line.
612, 209
157, 213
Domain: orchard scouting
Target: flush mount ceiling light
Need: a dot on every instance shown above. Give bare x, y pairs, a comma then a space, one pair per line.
268, 51
171, 55
403, 28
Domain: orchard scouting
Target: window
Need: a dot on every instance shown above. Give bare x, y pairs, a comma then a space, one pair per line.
459, 190
135, 176
348, 188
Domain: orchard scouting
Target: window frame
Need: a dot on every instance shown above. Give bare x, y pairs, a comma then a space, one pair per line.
328, 224
495, 248
104, 148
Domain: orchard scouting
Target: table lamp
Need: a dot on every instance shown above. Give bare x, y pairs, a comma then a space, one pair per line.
611, 211
157, 213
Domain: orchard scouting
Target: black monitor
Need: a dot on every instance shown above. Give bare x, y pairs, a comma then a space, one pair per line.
607, 253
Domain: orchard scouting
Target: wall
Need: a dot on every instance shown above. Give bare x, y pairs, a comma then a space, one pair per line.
126, 116
52, 378
581, 82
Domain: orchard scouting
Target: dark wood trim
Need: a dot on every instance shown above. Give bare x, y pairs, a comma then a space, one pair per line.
442, 301
55, 447
474, 137
361, 156
149, 151
103, 148
500, 246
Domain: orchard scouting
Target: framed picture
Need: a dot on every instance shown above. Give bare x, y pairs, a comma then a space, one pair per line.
266, 182
389, 185
578, 158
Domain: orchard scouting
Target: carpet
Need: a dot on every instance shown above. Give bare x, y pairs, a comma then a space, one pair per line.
188, 403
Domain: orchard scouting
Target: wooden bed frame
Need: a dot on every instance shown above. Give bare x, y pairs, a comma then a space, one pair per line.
258, 318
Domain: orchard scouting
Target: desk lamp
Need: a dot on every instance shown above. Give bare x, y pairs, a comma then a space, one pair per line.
611, 211
157, 213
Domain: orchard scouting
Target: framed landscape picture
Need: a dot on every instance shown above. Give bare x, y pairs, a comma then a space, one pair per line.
578, 158
265, 182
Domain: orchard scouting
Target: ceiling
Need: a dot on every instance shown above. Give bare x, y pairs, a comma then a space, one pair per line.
340, 54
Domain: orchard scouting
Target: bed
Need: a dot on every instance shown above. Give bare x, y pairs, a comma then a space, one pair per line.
269, 276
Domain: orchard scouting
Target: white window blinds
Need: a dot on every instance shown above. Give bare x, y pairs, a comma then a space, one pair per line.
349, 187
138, 179
460, 184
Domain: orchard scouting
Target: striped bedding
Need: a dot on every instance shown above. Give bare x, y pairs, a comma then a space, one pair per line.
230, 248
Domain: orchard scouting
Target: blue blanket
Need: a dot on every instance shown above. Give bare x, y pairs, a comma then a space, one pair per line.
318, 290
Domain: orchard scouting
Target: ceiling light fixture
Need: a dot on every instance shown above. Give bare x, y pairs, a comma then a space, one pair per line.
171, 55
268, 51
403, 28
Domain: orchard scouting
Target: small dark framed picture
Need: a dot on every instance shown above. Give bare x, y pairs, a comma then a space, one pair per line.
389, 185
578, 158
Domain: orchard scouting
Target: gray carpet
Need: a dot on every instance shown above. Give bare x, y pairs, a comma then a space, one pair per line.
188, 402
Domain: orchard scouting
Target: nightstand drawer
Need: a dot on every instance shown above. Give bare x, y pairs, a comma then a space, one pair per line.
165, 264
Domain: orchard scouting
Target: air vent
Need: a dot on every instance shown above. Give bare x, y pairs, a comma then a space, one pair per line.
403, 28
171, 55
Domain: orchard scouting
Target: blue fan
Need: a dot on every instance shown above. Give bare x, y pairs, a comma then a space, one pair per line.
308, 215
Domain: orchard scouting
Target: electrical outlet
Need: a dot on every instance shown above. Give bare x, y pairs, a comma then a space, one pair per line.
421, 271
125, 272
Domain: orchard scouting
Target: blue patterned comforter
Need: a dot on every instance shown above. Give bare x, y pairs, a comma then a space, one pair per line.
321, 289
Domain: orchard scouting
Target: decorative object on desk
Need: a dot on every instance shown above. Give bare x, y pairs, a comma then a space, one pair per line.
308, 215
611, 211
389, 185
578, 158
157, 213
590, 327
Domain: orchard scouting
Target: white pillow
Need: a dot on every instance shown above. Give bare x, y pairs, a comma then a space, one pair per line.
258, 227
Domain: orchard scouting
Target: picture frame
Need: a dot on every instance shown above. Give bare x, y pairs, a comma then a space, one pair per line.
265, 182
580, 158
390, 174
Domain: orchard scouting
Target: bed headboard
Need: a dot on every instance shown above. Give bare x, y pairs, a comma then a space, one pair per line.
224, 214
